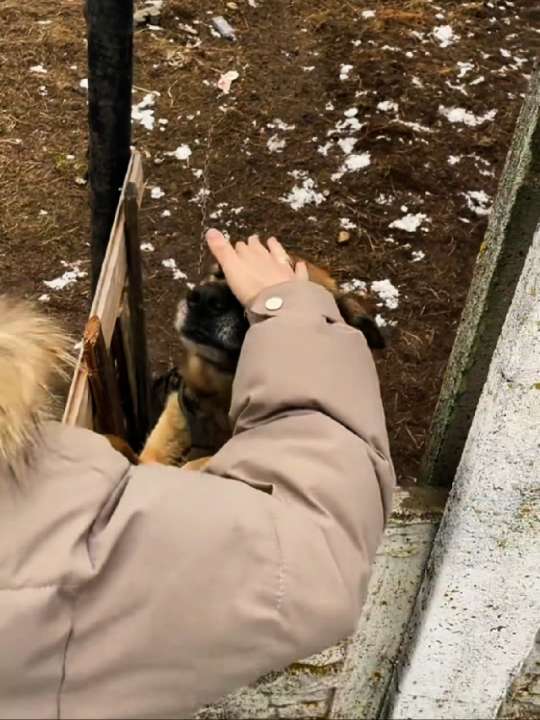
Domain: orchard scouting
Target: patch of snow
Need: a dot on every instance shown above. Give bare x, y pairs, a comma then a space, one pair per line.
276, 144
387, 292
354, 285
347, 144
454, 159
387, 106
323, 149
460, 115
143, 112
351, 112
166, 213
350, 124
380, 321
303, 194
226, 80
345, 71
445, 35
38, 70
44, 298
156, 193
347, 224
464, 68
84, 83
367, 14
418, 255
417, 82
200, 196
170, 264
505, 53
383, 199
70, 277
329, 106
409, 223
358, 162
182, 152
478, 202
147, 247
353, 163
278, 124
478, 80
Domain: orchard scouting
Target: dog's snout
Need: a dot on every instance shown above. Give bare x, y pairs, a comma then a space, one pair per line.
209, 298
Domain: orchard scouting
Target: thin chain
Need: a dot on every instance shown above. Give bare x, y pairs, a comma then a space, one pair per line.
205, 194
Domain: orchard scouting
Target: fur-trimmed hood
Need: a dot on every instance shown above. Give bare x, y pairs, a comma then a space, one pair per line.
33, 354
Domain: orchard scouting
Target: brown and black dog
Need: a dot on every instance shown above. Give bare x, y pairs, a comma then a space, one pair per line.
212, 324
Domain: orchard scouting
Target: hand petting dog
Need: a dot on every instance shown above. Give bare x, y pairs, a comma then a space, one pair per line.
250, 268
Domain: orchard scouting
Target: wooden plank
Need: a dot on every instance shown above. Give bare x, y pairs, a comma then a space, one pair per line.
107, 299
139, 351
110, 75
108, 417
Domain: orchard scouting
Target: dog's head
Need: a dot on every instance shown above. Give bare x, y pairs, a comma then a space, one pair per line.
212, 325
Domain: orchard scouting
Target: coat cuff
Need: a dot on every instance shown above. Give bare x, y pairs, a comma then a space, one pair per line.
296, 298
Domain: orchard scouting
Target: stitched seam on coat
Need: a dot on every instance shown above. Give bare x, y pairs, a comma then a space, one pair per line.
63, 673
282, 564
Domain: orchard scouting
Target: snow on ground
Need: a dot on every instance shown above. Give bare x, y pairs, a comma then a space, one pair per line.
69, 277
182, 152
346, 148
170, 264
303, 193
409, 222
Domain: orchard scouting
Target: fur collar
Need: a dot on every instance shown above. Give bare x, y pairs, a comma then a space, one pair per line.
33, 354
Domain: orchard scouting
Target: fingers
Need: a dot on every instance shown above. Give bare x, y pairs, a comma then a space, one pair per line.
256, 245
278, 252
221, 249
301, 271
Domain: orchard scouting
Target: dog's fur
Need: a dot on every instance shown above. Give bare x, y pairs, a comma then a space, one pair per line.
33, 357
212, 326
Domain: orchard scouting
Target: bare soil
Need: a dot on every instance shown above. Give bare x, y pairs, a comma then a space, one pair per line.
289, 57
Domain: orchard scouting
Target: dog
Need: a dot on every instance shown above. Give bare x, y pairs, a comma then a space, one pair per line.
212, 324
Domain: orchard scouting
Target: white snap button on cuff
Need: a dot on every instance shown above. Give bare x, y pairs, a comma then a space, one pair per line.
273, 303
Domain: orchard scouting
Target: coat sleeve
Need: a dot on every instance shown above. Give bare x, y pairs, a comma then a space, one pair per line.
206, 581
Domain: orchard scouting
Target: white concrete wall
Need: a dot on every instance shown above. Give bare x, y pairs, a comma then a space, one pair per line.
479, 609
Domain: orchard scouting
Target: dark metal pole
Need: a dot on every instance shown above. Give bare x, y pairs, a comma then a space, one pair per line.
110, 77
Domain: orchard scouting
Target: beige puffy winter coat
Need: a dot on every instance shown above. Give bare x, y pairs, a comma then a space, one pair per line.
138, 592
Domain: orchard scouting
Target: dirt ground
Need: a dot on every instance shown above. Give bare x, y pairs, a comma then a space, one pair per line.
345, 117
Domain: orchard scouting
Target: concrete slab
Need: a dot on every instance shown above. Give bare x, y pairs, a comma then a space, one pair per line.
479, 606
513, 219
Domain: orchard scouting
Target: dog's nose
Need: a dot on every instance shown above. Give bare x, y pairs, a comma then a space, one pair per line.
208, 298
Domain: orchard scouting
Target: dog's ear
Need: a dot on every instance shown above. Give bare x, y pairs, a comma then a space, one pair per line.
355, 314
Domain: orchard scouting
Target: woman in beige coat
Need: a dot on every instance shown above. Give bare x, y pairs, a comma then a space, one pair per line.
148, 591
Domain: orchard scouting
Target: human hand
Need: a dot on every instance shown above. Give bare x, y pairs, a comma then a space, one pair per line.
250, 267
